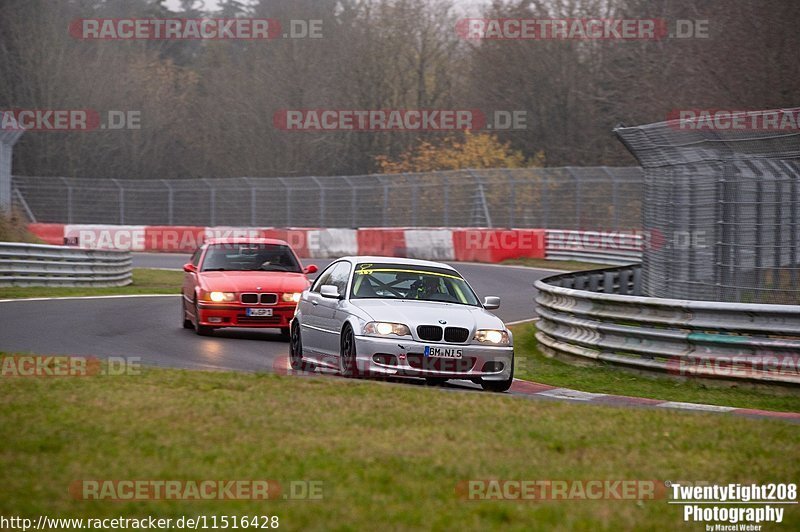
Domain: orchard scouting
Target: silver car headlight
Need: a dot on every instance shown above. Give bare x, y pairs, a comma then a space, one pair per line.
383, 328
491, 336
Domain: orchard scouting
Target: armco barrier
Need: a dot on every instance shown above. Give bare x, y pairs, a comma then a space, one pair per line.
595, 246
598, 316
44, 265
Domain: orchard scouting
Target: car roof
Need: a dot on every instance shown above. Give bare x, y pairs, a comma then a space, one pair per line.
396, 260
247, 240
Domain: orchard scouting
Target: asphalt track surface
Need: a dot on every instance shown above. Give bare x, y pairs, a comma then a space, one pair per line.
149, 327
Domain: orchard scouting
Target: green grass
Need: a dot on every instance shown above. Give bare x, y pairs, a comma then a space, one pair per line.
145, 281
566, 265
14, 228
388, 456
532, 365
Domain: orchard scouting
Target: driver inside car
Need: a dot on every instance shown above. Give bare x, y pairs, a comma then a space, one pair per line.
425, 288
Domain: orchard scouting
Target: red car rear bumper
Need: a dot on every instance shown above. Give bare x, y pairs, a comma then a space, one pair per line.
232, 315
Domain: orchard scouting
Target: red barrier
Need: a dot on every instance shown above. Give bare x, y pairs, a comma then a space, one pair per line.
48, 233
469, 245
383, 242
489, 245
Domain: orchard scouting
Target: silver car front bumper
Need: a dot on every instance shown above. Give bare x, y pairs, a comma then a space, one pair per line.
405, 357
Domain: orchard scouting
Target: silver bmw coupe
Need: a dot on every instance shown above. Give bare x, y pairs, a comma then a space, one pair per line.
383, 316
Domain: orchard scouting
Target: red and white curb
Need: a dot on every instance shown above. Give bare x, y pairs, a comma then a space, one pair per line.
545, 391
521, 387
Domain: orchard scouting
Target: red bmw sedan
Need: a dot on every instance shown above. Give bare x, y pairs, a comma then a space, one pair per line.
242, 282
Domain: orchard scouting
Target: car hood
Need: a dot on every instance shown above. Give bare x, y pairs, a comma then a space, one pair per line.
414, 313
251, 281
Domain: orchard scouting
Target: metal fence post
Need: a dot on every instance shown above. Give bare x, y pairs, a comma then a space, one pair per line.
321, 201
577, 197
170, 200
252, 201
446, 221
414, 194
512, 195
121, 201
212, 199
546, 201
288, 201
69, 199
352, 202
385, 217
25, 206
614, 196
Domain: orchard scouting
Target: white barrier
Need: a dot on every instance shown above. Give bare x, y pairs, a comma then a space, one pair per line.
332, 243
107, 237
430, 244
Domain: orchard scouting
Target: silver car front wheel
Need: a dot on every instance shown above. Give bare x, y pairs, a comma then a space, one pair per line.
347, 354
499, 386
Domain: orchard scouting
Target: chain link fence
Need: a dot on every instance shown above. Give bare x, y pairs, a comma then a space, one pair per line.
596, 198
734, 196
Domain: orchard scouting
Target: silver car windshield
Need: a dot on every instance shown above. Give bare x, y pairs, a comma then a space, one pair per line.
406, 281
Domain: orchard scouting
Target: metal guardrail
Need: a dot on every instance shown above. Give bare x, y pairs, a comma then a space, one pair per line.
42, 265
600, 316
594, 246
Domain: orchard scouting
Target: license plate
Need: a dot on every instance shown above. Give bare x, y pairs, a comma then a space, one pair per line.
443, 352
257, 312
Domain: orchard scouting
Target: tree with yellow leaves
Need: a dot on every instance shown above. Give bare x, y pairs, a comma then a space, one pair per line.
481, 150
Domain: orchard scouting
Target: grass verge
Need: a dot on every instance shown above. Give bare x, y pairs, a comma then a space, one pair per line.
566, 265
14, 228
387, 455
145, 281
531, 364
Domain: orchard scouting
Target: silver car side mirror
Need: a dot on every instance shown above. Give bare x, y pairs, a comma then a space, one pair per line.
330, 291
489, 302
